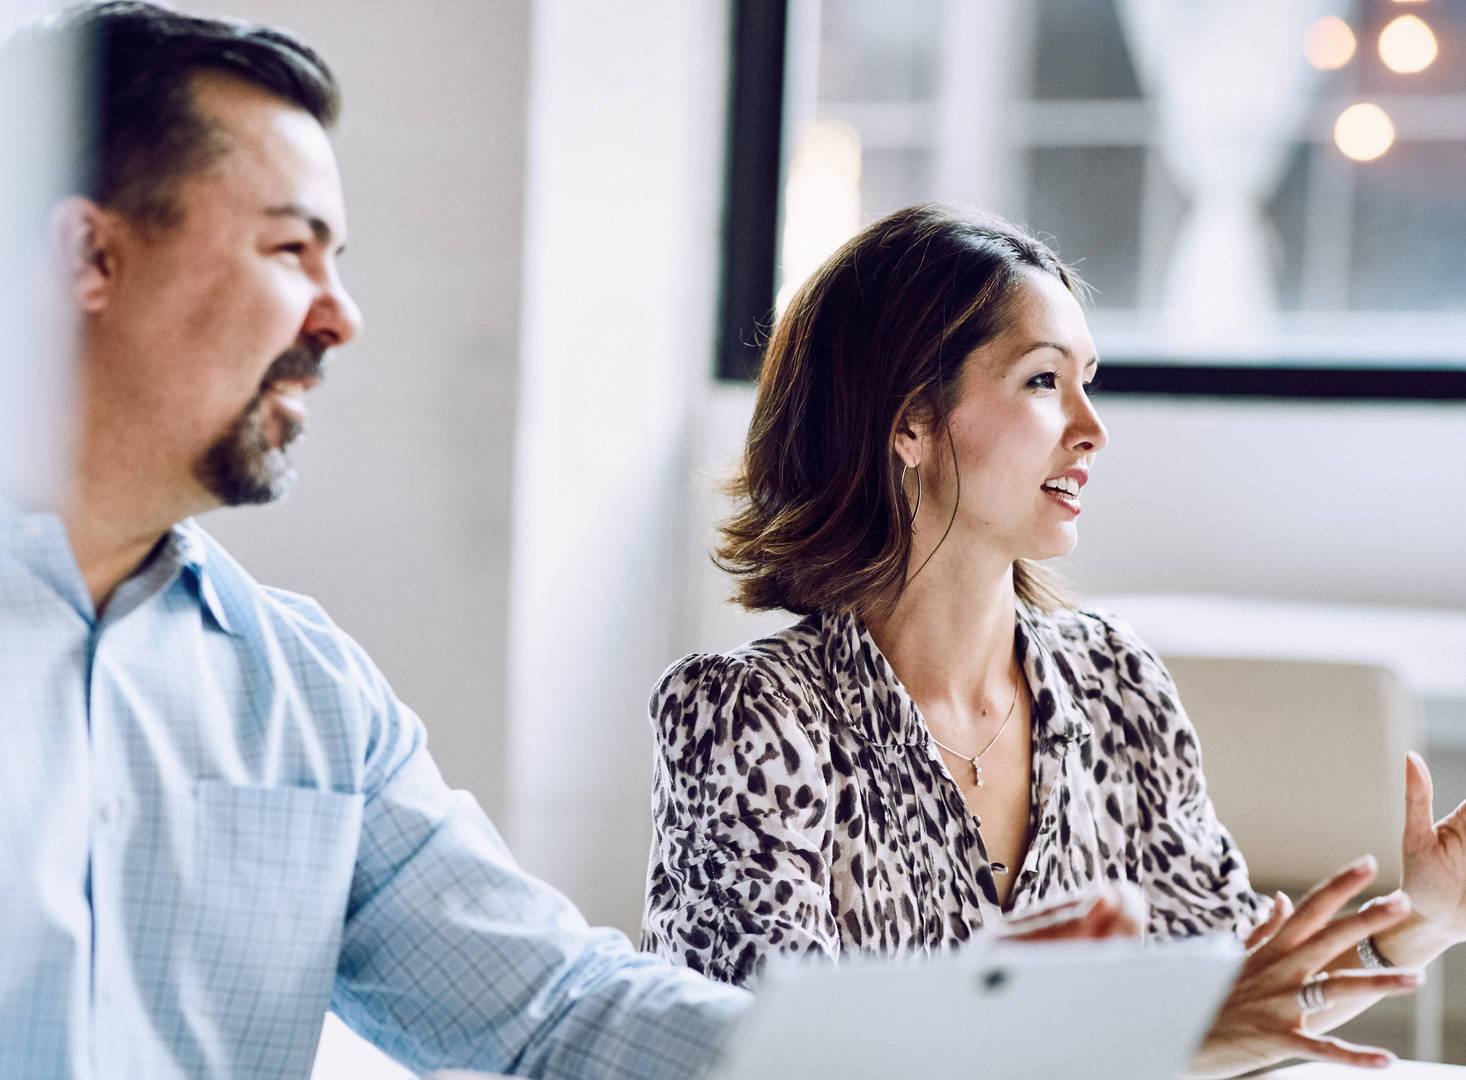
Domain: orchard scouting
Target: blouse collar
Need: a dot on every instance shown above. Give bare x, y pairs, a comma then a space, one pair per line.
881, 710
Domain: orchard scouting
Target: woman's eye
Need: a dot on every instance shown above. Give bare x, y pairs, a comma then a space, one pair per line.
296, 247
1044, 381
1091, 386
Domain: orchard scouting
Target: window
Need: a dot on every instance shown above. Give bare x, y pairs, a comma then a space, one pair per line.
1183, 156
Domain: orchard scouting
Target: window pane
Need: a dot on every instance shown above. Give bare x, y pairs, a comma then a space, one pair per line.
1287, 214
1089, 199
1080, 52
1446, 75
1410, 230
891, 179
874, 50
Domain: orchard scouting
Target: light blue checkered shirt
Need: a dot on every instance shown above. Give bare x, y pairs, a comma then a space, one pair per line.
216, 821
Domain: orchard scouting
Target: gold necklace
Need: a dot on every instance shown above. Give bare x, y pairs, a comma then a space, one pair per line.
974, 759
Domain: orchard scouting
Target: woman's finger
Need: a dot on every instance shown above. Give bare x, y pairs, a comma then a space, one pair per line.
1346, 932
1326, 1048
1060, 921
1347, 987
1322, 903
1282, 908
1419, 795
1125, 914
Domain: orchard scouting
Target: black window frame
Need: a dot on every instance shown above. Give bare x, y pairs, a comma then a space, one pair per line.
752, 213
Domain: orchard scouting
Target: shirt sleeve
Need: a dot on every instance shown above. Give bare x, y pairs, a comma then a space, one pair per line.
741, 823
1193, 876
454, 957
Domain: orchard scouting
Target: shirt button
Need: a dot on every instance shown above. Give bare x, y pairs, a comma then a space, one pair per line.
110, 811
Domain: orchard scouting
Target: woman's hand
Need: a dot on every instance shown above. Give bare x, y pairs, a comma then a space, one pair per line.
1114, 909
1263, 1019
1434, 869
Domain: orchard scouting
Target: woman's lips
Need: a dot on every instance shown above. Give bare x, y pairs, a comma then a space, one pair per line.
1068, 502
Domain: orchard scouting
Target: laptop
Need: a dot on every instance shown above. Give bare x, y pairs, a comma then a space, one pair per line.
1107, 1010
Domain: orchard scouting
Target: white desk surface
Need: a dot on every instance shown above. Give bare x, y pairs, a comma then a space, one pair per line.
1401, 1070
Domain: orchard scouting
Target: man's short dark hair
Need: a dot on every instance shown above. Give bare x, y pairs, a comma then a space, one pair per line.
143, 132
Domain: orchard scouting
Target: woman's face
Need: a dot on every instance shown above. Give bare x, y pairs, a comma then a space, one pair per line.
1023, 434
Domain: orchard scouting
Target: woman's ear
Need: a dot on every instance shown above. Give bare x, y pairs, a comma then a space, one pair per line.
85, 237
910, 441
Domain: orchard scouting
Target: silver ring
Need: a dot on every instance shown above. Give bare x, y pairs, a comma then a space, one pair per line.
1310, 995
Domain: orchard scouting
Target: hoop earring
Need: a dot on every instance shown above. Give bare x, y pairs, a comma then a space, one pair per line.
917, 507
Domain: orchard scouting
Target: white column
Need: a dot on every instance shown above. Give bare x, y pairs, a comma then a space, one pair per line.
621, 241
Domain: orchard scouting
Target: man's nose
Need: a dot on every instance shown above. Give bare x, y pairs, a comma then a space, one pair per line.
334, 316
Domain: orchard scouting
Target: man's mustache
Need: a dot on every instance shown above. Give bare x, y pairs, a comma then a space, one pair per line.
306, 359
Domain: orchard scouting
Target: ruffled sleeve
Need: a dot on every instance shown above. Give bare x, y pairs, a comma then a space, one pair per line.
741, 821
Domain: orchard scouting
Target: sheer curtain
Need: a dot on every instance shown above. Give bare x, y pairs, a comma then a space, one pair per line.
1231, 87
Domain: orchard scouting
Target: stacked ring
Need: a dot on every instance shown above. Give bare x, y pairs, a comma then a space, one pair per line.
1310, 995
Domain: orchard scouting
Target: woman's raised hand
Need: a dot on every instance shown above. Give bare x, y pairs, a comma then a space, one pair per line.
1264, 1018
1434, 867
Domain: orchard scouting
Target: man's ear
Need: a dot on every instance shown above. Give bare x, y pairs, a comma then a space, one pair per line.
86, 237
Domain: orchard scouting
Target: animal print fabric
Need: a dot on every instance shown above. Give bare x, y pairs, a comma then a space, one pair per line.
800, 805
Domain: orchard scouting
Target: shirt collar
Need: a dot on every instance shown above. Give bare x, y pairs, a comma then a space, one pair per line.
881, 710
182, 550
1058, 718
876, 704
17, 525
190, 552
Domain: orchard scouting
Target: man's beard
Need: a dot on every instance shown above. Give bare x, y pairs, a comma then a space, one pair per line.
241, 467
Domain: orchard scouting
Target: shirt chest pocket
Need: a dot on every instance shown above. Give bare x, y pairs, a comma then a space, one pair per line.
269, 880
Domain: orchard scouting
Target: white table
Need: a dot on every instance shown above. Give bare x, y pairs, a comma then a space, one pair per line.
1427, 647
1401, 1070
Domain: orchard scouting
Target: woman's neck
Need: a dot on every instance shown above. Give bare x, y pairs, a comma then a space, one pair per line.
950, 636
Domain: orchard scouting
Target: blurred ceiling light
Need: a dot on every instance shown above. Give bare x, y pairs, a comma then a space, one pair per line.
1407, 45
1363, 132
1329, 44
821, 202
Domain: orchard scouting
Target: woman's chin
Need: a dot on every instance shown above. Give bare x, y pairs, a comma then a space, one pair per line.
1063, 540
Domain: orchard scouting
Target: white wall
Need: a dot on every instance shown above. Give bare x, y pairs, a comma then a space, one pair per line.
624, 188
1346, 502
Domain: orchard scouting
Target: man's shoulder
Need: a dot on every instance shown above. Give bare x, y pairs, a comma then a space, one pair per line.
238, 585
290, 625
317, 673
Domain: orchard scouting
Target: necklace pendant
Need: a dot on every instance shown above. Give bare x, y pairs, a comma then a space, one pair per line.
977, 772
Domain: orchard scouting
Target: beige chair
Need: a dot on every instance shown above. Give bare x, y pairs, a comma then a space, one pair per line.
1305, 763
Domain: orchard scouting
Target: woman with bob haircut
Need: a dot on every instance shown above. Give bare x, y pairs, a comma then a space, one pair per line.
944, 741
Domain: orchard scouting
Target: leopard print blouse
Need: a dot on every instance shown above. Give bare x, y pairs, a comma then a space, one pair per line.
800, 805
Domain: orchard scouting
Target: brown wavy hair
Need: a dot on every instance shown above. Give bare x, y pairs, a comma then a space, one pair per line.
878, 333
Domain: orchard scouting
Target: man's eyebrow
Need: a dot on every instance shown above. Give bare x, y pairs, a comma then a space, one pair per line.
317, 224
